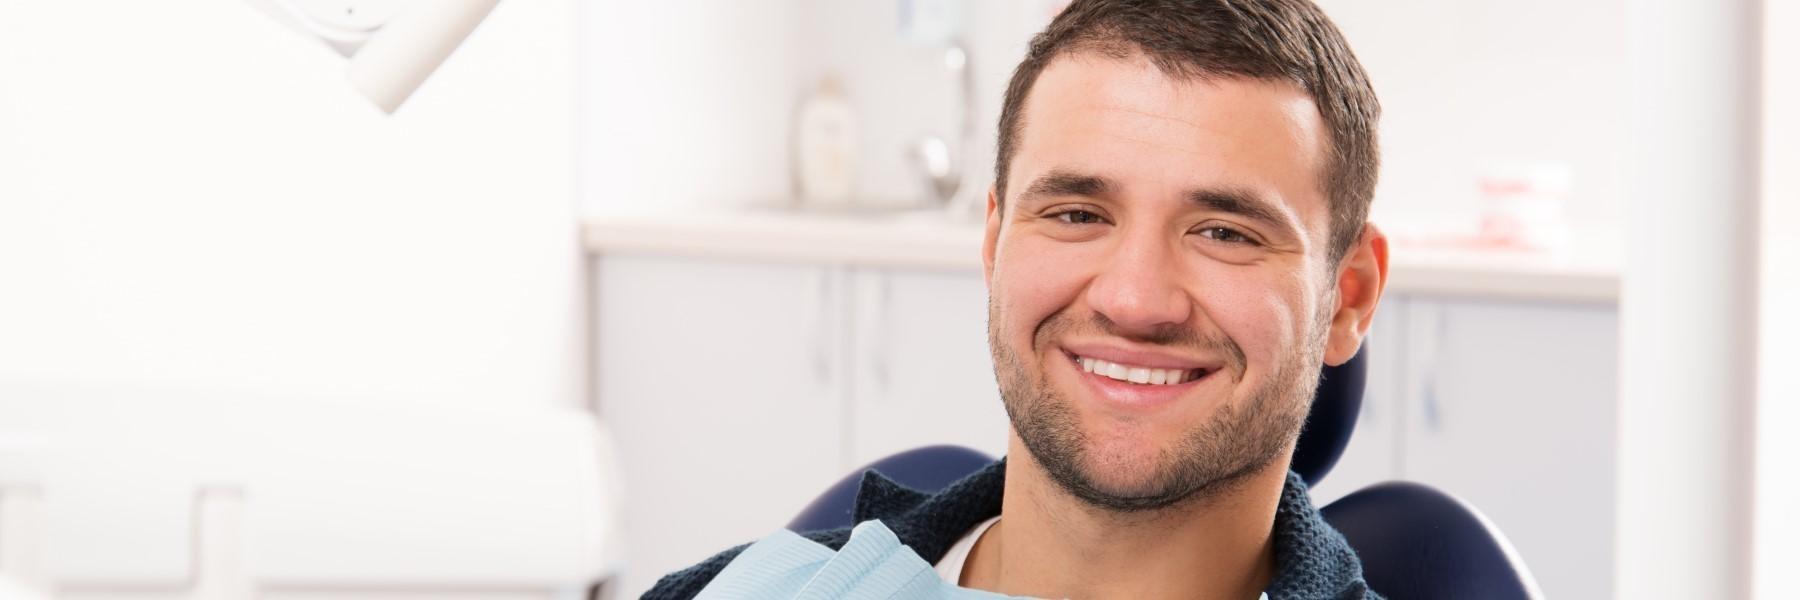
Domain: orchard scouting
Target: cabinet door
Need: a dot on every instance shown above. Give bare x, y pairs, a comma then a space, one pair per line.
1513, 411
923, 374
1373, 455
721, 381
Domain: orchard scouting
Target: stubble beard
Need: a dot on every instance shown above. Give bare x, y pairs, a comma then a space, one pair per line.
1242, 438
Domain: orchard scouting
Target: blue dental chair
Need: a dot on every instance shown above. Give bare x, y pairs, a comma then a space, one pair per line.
1414, 542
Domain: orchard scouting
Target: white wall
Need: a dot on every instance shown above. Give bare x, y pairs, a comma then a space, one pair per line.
1464, 84
191, 195
1687, 303
902, 91
691, 103
686, 103
1778, 385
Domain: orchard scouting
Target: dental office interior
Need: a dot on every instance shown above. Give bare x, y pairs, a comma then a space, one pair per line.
544, 299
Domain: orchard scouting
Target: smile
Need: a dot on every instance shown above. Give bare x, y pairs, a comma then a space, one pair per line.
1137, 378
1138, 374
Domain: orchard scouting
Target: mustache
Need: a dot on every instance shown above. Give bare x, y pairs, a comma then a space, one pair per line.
1172, 335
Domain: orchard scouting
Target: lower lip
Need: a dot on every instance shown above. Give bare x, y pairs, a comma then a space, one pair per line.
1135, 396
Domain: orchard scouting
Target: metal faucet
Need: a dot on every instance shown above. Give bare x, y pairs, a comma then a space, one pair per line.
946, 168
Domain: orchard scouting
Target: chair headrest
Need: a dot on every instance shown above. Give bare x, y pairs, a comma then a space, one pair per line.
1336, 404
1417, 542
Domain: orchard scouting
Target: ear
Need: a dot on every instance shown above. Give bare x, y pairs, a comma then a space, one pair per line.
1361, 276
991, 238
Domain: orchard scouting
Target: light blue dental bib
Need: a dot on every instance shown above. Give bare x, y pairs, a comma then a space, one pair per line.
873, 565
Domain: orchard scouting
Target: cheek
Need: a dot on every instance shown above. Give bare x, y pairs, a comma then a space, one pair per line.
1033, 280
1259, 311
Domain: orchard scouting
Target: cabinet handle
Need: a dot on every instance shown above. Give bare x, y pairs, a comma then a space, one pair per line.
1431, 407
1432, 419
879, 334
818, 302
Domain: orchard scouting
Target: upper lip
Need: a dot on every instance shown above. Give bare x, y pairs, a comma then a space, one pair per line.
1138, 357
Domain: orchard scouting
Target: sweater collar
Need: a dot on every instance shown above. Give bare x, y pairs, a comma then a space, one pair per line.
1312, 560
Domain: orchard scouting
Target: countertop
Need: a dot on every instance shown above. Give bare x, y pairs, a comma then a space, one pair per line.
1586, 270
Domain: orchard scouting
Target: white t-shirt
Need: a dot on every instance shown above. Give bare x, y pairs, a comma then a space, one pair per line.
950, 567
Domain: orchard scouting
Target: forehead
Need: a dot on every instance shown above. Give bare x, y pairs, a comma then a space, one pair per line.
1126, 119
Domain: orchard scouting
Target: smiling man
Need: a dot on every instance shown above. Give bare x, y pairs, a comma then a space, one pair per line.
1176, 245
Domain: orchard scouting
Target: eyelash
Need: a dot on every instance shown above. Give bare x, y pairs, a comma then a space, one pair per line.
1241, 237
1236, 237
1068, 216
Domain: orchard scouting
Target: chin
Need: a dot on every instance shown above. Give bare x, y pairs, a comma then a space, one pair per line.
1125, 460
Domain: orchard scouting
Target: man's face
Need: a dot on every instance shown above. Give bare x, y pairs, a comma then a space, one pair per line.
1159, 292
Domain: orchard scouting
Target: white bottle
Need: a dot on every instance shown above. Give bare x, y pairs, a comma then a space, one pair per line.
825, 147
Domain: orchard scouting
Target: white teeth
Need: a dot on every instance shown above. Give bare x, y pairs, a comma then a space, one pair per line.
1139, 375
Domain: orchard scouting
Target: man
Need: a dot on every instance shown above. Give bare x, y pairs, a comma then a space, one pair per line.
1175, 244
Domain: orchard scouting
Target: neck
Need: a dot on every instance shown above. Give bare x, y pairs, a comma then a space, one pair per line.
1050, 544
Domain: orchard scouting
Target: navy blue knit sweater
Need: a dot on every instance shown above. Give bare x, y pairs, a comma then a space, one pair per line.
1312, 560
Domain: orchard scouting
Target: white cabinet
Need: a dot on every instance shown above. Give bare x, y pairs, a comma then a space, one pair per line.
721, 381
922, 371
1516, 405
1508, 405
740, 390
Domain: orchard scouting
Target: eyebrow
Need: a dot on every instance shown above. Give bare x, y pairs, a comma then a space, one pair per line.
1064, 183
1238, 202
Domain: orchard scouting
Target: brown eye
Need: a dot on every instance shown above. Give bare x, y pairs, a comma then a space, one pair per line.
1227, 235
1079, 217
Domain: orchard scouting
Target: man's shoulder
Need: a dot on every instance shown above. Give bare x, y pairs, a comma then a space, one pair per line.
688, 582
927, 523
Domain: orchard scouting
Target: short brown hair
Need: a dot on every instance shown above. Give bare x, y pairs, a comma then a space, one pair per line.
1284, 40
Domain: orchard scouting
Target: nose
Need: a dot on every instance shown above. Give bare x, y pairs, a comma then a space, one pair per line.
1139, 288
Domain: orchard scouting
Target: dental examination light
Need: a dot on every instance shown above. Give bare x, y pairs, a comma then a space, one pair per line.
393, 45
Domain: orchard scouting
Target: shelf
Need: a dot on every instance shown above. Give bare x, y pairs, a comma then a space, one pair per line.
1588, 272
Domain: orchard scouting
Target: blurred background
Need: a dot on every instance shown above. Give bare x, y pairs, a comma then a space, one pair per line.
547, 298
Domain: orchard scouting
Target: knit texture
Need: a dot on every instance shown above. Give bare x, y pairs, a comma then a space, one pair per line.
1312, 560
